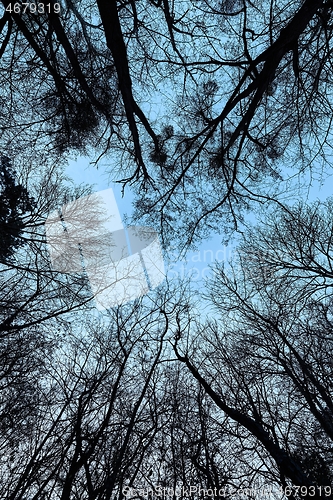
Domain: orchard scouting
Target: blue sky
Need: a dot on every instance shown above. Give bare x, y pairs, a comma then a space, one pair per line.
195, 265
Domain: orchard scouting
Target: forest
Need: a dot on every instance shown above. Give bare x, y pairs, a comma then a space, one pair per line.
216, 116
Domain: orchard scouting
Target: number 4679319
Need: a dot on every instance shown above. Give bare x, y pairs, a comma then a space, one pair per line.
41, 8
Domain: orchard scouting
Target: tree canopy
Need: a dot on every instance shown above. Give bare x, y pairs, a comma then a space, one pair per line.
15, 202
240, 92
208, 112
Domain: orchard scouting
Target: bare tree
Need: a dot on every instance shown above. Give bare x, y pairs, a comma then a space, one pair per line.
266, 361
242, 91
93, 421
